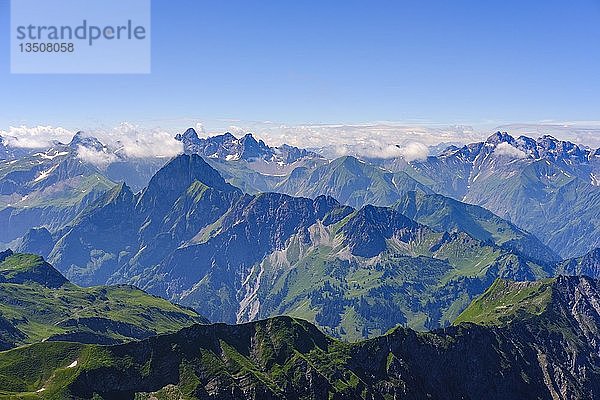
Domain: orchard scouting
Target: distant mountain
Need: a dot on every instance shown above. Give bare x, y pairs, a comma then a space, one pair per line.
10, 153
195, 239
534, 341
546, 186
38, 303
228, 147
446, 214
113, 163
352, 182
45, 189
246, 163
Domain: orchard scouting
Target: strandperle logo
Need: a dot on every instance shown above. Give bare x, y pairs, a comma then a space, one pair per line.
85, 31
75, 36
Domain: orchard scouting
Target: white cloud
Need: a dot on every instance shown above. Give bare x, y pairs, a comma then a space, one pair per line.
414, 151
505, 149
379, 140
98, 158
127, 139
37, 137
199, 128
137, 143
236, 131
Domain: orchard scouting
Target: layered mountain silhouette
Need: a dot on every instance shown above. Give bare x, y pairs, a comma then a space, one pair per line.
195, 239
544, 348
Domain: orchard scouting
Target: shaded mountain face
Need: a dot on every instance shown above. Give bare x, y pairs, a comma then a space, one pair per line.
37, 303
37, 241
588, 265
193, 238
546, 186
549, 353
123, 230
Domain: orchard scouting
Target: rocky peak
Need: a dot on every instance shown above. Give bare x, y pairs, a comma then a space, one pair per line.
248, 148
500, 137
90, 142
189, 136
173, 180
366, 232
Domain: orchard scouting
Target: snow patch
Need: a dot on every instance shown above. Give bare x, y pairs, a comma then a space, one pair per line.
44, 174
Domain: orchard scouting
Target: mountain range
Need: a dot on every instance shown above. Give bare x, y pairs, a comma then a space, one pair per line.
195, 239
234, 255
49, 187
546, 186
534, 340
470, 271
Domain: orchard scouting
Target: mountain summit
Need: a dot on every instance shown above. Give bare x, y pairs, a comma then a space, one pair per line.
228, 147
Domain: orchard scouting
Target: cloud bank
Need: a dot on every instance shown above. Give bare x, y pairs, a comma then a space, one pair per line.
369, 140
377, 140
126, 140
37, 137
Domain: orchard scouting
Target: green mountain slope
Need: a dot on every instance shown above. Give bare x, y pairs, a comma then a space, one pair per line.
446, 214
38, 303
552, 354
507, 301
356, 273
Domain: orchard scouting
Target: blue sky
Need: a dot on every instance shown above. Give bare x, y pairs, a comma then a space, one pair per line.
296, 62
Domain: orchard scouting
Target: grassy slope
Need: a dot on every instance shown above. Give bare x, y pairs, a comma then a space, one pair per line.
506, 301
40, 311
370, 296
45, 370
